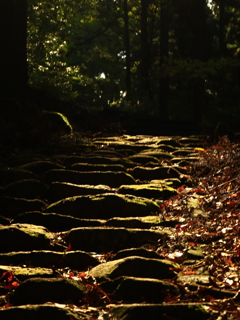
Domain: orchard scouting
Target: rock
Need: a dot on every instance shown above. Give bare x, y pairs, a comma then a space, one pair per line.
156, 312
28, 189
172, 182
139, 252
56, 222
129, 222
98, 160
23, 273
13, 206
40, 312
143, 158
62, 190
97, 167
41, 290
25, 237
10, 175
195, 254
134, 267
77, 260
133, 289
111, 179
104, 206
156, 153
144, 173
40, 167
152, 191
104, 239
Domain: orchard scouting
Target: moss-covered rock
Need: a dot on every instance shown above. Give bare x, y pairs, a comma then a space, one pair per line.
105, 239
97, 167
9, 175
156, 312
56, 222
111, 179
40, 167
104, 206
152, 191
13, 206
143, 158
139, 252
41, 290
23, 273
28, 189
39, 312
18, 237
134, 267
134, 289
62, 190
77, 260
164, 172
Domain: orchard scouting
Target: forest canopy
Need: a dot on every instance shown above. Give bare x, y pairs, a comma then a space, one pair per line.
179, 60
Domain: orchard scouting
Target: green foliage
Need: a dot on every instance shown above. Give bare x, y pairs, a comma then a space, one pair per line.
78, 51
62, 117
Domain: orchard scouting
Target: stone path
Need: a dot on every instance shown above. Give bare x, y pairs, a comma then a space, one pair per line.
78, 225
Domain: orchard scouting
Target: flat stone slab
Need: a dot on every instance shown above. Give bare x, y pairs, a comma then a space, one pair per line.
42, 290
40, 312
152, 191
77, 260
62, 190
111, 179
23, 273
40, 167
139, 252
12, 206
97, 167
104, 239
134, 289
10, 175
104, 206
18, 237
56, 222
134, 267
156, 312
27, 189
164, 172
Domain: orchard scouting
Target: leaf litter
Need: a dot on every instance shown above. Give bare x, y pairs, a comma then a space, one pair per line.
207, 209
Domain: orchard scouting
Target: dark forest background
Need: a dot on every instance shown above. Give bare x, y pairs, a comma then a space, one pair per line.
169, 59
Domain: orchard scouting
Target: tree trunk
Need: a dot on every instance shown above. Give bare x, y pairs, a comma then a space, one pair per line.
13, 60
128, 80
145, 63
222, 26
164, 39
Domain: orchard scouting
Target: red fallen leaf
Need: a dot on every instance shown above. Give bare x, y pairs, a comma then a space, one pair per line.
170, 299
82, 275
209, 298
187, 273
7, 276
12, 285
192, 244
69, 248
71, 274
181, 188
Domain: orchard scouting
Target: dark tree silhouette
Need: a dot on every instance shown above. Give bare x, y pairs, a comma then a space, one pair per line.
13, 61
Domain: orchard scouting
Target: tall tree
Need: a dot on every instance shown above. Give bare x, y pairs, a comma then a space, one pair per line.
145, 62
164, 48
127, 49
13, 61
